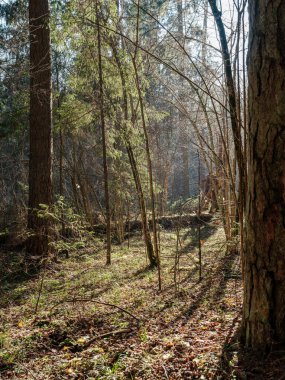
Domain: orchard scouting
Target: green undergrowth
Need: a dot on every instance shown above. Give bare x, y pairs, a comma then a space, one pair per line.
81, 319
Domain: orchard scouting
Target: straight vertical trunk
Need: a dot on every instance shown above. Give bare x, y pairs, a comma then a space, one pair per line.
232, 97
183, 135
40, 164
205, 32
233, 100
105, 162
264, 261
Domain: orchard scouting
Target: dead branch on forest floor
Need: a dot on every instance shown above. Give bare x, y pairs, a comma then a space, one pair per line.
97, 302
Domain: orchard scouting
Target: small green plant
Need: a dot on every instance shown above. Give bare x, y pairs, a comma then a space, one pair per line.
2, 340
184, 205
7, 360
143, 335
4, 233
69, 231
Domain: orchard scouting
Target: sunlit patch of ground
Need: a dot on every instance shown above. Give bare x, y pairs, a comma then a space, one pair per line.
184, 332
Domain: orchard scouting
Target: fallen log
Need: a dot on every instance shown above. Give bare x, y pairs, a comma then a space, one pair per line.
168, 222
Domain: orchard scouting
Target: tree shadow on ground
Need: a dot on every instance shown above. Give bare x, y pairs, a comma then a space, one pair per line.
15, 271
236, 362
140, 273
209, 286
212, 287
206, 232
225, 369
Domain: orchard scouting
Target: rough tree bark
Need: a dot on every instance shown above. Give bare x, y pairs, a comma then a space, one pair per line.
264, 261
40, 164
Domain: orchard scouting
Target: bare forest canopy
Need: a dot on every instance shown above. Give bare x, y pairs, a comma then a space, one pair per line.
142, 189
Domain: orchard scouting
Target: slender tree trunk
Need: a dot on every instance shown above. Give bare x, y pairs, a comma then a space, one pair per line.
264, 261
199, 217
205, 33
105, 161
40, 164
234, 115
149, 164
61, 143
147, 237
153, 260
232, 98
183, 133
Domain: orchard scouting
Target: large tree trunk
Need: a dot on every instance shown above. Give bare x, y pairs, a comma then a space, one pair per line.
264, 264
40, 169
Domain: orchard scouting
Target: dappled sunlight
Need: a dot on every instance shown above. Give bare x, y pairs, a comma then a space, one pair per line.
186, 329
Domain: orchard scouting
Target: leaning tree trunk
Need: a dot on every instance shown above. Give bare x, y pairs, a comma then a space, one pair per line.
264, 264
145, 227
40, 165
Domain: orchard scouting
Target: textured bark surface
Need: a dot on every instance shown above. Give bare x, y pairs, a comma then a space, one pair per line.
264, 265
40, 183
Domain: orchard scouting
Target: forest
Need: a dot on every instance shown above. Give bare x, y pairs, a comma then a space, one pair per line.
142, 189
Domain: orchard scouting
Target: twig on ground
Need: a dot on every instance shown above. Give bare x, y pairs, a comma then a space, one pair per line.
97, 302
39, 294
165, 371
102, 336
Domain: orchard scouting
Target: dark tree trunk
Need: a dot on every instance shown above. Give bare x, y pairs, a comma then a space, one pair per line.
232, 96
147, 237
40, 169
264, 264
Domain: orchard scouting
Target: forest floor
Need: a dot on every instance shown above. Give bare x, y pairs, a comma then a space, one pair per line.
110, 322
